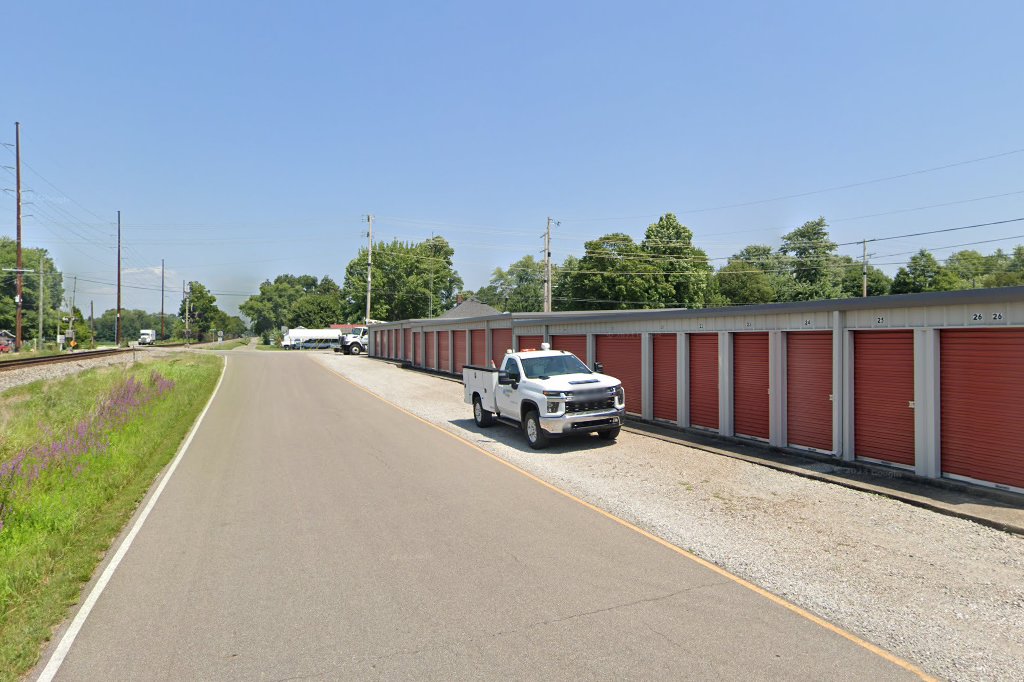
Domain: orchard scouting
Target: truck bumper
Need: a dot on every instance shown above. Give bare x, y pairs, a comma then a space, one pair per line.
587, 422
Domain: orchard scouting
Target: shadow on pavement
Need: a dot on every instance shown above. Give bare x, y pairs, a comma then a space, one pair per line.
512, 437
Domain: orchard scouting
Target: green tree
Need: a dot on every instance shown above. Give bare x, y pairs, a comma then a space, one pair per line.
998, 262
613, 274
923, 273
520, 289
740, 283
53, 295
410, 280
970, 267
813, 262
685, 271
852, 272
270, 309
316, 311
204, 315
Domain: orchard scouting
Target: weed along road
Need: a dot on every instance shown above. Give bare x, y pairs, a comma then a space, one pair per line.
314, 531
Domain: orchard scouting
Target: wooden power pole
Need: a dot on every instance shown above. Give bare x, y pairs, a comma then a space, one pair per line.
18, 273
117, 323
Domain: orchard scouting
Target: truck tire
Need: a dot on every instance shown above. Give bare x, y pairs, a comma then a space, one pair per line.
610, 434
482, 417
355, 349
535, 435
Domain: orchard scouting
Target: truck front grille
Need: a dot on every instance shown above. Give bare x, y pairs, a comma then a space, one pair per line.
590, 405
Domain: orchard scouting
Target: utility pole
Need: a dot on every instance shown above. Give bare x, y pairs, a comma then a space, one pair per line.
17, 174
71, 326
369, 267
188, 303
42, 293
864, 271
117, 325
547, 265
161, 299
92, 324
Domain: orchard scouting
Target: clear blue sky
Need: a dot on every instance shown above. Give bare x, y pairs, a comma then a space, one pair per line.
241, 140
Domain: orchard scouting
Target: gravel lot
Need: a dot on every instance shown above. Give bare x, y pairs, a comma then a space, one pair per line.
26, 375
944, 593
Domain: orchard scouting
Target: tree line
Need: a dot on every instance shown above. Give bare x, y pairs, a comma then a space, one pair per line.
664, 269
59, 311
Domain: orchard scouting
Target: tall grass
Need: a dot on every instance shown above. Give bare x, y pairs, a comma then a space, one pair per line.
76, 457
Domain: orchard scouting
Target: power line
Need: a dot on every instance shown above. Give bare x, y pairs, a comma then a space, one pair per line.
834, 188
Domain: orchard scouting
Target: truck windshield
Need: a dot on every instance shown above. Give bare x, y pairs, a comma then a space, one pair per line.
552, 366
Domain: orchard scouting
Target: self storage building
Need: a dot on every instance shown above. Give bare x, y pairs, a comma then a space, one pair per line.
931, 383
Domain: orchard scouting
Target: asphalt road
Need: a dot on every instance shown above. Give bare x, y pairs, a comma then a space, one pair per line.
313, 531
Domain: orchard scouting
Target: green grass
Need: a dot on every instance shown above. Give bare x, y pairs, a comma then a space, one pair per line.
169, 342
59, 531
265, 347
28, 354
227, 345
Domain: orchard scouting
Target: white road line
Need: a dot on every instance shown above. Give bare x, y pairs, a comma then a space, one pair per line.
61, 652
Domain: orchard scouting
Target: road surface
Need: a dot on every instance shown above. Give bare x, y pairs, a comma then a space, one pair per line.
313, 531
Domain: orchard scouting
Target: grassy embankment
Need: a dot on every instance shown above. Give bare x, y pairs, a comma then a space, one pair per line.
77, 455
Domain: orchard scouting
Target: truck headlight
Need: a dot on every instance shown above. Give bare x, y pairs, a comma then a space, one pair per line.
620, 395
552, 407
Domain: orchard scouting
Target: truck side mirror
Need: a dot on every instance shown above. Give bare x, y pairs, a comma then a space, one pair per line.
504, 379
599, 367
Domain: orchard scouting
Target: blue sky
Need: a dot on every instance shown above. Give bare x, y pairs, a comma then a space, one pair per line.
241, 140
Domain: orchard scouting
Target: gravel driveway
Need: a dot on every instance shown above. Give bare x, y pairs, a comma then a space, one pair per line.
942, 592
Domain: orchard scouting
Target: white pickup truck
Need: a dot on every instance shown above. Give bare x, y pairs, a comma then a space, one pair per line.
548, 393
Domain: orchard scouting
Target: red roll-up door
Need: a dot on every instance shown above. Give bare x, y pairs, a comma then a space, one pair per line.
501, 341
574, 343
459, 339
418, 340
393, 343
665, 387
704, 380
620, 355
809, 390
442, 352
530, 342
982, 401
408, 344
750, 384
883, 390
478, 347
377, 350
431, 360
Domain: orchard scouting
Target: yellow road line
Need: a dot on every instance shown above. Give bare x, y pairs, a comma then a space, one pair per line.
895, 660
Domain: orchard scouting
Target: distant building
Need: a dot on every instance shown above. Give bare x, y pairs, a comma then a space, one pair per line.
470, 308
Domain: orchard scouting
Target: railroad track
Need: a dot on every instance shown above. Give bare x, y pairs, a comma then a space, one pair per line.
67, 357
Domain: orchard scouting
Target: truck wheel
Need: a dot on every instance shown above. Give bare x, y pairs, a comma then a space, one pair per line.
482, 417
535, 435
610, 434
354, 349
